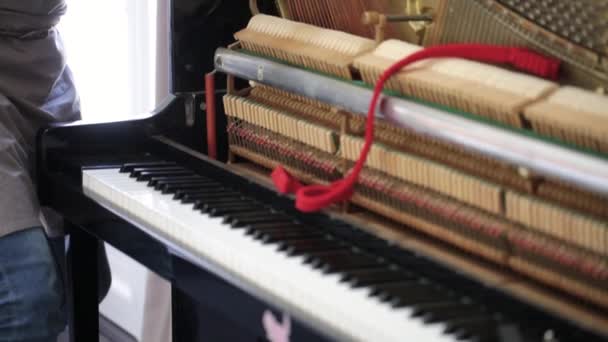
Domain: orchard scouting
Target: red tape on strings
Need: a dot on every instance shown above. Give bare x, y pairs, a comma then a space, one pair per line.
210, 115
315, 197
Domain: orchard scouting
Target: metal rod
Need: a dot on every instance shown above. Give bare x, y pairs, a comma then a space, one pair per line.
544, 158
419, 17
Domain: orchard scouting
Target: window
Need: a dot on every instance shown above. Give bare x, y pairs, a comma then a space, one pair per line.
111, 48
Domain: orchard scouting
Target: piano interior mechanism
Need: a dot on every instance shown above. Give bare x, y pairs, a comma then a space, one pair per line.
480, 213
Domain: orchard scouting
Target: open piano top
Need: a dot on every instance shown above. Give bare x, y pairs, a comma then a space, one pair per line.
358, 273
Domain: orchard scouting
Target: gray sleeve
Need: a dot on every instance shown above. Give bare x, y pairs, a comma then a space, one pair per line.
22, 17
35, 77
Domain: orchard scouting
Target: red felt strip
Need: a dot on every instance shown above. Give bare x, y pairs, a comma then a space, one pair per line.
210, 103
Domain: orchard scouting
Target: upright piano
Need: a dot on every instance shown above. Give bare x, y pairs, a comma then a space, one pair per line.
453, 229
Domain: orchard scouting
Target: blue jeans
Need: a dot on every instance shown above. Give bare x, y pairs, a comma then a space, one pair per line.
32, 305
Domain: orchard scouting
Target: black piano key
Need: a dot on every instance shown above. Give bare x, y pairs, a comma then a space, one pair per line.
424, 308
469, 326
414, 262
352, 233
236, 208
206, 204
511, 332
256, 231
391, 290
312, 257
448, 311
243, 220
187, 196
219, 203
270, 237
106, 165
146, 175
302, 247
178, 179
160, 181
341, 260
430, 270
360, 238
136, 170
249, 220
130, 166
367, 277
228, 207
223, 198
293, 228
408, 294
331, 267
274, 227
212, 186
165, 185
172, 188
164, 179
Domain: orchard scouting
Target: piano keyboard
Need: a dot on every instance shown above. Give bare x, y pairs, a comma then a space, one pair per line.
336, 280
